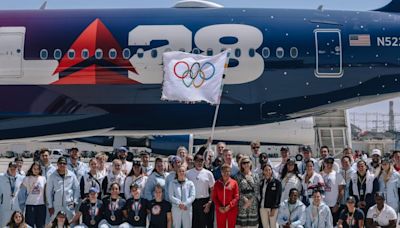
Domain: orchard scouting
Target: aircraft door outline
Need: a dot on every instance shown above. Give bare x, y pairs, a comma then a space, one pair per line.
11, 51
328, 53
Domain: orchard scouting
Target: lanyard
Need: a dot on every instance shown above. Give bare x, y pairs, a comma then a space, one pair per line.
113, 206
361, 191
12, 185
136, 207
93, 211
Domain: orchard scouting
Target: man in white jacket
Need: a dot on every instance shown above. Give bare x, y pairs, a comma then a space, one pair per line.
62, 190
291, 212
318, 214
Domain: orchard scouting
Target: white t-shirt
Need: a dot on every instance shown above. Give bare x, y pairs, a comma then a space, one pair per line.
203, 180
35, 188
332, 182
384, 216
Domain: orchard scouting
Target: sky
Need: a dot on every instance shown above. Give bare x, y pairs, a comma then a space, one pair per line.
361, 5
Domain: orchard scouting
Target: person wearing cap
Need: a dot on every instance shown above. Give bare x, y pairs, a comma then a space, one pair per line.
115, 176
225, 196
318, 214
136, 176
158, 176
249, 190
351, 216
182, 193
62, 190
381, 214
10, 183
93, 178
145, 159
45, 163
20, 163
325, 153
284, 156
310, 180
75, 165
32, 198
135, 210
363, 186
270, 197
307, 156
334, 187
389, 183
290, 178
291, 213
347, 171
374, 166
123, 155
176, 163
203, 181
89, 210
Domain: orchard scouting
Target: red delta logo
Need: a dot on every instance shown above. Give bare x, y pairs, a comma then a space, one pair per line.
82, 63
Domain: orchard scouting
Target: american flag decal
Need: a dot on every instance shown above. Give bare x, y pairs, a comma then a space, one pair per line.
360, 40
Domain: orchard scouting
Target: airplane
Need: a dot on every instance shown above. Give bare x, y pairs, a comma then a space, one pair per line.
79, 73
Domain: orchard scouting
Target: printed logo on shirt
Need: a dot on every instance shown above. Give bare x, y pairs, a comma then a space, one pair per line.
156, 210
36, 189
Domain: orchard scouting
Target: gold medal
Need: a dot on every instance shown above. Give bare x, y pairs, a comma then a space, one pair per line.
92, 222
113, 218
137, 218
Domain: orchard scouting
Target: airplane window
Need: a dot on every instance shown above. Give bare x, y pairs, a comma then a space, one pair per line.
85, 54
182, 49
237, 52
294, 52
196, 51
210, 52
280, 52
44, 54
140, 52
98, 54
112, 53
126, 53
252, 52
265, 52
71, 54
153, 53
57, 54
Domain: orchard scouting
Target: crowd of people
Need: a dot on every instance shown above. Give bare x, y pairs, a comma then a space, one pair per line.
209, 189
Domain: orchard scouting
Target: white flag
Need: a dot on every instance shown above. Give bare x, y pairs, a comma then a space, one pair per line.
190, 77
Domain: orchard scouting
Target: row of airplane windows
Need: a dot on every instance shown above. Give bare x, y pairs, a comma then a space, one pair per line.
126, 53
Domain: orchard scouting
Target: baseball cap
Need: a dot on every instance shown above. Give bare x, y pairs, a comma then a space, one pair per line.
175, 159
93, 189
376, 152
62, 160
291, 160
305, 149
122, 149
380, 194
144, 153
351, 199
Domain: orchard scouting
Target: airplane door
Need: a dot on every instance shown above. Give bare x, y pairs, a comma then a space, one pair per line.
328, 46
11, 51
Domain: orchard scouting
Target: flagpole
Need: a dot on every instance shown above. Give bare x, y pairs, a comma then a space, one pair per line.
216, 113
219, 103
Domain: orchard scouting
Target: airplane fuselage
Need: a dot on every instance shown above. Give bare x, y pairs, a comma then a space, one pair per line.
92, 69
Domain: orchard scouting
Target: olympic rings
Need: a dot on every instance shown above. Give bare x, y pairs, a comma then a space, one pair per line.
193, 75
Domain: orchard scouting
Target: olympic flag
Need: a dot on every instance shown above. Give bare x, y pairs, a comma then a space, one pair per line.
190, 77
